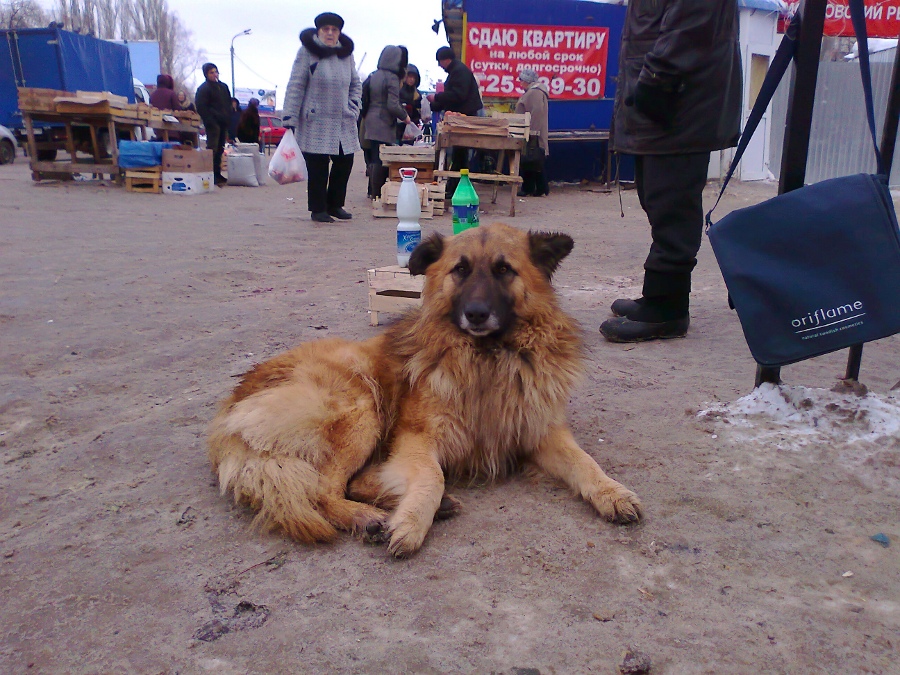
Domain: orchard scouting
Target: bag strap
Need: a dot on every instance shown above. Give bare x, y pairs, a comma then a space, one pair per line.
786, 52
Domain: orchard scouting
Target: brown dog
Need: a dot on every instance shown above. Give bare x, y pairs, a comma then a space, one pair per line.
337, 435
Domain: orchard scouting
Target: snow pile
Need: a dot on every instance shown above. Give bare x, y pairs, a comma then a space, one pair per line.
791, 417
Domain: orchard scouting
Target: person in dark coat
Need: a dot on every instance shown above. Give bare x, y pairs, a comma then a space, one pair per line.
410, 99
234, 118
461, 88
164, 97
213, 100
248, 127
460, 95
384, 111
678, 98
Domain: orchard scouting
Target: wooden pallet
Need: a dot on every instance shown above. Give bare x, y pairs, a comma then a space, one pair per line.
481, 126
144, 180
392, 289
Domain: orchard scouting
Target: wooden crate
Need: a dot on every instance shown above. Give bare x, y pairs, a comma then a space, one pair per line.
484, 126
33, 99
144, 180
392, 289
406, 153
519, 123
437, 197
425, 170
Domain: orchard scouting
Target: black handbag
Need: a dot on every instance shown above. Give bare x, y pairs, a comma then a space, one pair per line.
533, 155
816, 269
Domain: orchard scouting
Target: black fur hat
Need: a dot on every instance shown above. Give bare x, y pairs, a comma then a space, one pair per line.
329, 19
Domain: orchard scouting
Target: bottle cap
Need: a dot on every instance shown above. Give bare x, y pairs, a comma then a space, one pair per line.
463, 172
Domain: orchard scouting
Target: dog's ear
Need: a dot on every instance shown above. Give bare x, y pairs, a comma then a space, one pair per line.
427, 252
548, 249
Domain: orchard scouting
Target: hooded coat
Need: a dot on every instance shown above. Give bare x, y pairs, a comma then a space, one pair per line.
385, 109
534, 101
323, 96
164, 97
690, 49
410, 96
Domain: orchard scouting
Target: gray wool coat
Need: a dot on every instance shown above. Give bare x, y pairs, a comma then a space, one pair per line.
384, 92
535, 100
324, 96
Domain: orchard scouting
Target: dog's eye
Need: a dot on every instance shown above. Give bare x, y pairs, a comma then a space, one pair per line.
462, 269
502, 269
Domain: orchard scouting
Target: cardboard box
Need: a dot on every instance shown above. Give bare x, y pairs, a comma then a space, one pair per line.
187, 160
183, 183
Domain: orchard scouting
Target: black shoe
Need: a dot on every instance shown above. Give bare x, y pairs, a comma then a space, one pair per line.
623, 329
624, 307
339, 213
321, 217
221, 180
522, 193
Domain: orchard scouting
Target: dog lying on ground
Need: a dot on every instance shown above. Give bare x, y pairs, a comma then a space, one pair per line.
359, 436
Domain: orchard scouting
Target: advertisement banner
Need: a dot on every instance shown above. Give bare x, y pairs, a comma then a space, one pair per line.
570, 60
882, 18
266, 97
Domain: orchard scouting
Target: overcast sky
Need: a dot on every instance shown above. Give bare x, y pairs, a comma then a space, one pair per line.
264, 58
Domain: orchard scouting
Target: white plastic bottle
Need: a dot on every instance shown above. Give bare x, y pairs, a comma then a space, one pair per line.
409, 210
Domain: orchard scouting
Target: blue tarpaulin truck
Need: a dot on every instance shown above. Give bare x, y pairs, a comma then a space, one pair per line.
52, 58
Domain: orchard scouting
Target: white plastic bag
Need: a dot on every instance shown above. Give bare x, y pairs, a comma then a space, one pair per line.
287, 164
411, 132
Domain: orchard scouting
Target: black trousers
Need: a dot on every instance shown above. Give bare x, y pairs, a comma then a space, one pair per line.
215, 141
378, 174
326, 190
670, 188
534, 183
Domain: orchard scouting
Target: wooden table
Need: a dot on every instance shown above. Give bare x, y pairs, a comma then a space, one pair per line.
99, 163
586, 136
510, 152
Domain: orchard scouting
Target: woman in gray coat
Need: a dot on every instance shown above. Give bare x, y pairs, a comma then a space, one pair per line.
384, 110
322, 104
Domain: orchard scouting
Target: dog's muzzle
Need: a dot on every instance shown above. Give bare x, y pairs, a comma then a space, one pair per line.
478, 319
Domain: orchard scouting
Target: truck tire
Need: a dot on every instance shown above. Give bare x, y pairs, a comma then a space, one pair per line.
46, 155
7, 152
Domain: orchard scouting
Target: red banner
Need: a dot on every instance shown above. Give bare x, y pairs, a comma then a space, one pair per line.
570, 60
882, 18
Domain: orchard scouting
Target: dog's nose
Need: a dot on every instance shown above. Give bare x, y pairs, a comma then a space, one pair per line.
477, 313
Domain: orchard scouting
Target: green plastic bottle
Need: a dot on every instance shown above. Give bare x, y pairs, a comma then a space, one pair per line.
464, 203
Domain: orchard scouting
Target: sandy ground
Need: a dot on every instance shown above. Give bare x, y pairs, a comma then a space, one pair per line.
127, 317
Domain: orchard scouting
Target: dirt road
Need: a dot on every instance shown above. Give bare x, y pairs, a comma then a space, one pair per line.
126, 317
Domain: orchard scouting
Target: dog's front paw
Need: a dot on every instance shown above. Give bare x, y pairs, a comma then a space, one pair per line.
449, 507
618, 505
407, 537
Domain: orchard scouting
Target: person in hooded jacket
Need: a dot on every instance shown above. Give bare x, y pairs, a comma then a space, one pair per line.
678, 98
384, 110
410, 99
164, 96
213, 100
322, 104
535, 101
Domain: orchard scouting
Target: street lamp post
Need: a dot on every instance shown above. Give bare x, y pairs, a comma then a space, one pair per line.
243, 32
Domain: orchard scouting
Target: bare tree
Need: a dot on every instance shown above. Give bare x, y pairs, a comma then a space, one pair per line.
22, 14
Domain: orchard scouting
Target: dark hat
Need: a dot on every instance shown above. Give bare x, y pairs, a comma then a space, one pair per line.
329, 19
206, 67
445, 53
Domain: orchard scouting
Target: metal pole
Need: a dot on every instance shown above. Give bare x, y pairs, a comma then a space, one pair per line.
243, 32
799, 119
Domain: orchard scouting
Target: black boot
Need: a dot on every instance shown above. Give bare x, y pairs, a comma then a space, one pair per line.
648, 319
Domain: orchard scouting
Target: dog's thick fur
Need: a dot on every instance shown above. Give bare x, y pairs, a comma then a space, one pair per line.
338, 435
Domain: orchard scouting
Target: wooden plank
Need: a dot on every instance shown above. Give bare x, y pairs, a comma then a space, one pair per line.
481, 176
394, 277
468, 140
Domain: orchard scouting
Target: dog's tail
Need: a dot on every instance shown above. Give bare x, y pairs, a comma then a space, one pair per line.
283, 489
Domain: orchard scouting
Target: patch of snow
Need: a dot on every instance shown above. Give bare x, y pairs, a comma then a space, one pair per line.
791, 417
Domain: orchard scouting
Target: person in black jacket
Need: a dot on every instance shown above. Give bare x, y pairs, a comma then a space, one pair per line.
213, 100
460, 95
248, 126
678, 98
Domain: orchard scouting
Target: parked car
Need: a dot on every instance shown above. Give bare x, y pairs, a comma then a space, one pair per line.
7, 146
271, 129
